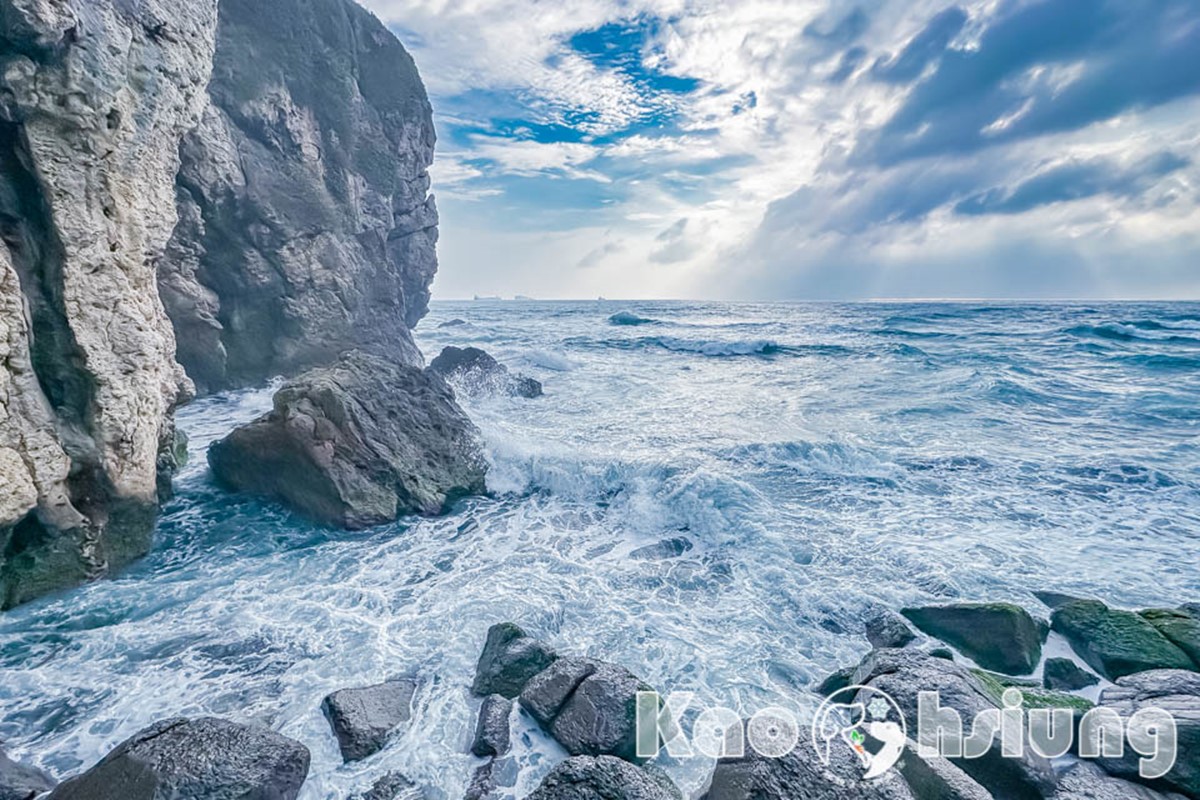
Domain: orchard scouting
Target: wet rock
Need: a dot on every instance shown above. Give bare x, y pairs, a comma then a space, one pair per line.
1065, 675
588, 706
1116, 643
663, 550
392, 786
936, 778
357, 444
483, 782
886, 628
1181, 627
1176, 692
1053, 600
478, 373
202, 758
997, 636
943, 653
509, 659
492, 729
452, 323
835, 682
603, 778
1086, 781
364, 718
21, 782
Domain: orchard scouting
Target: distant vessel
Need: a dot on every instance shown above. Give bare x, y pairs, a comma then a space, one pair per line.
488, 297
522, 297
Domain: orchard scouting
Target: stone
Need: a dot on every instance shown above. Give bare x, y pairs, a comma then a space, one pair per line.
1053, 600
476, 372
306, 222
546, 693
364, 718
1116, 643
1086, 781
835, 682
452, 323
1176, 692
492, 731
510, 658
95, 101
996, 636
936, 778
1180, 627
357, 444
663, 550
1065, 675
202, 758
483, 782
886, 628
392, 786
602, 778
21, 782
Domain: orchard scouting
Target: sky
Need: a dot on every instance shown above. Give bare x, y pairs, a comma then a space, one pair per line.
813, 149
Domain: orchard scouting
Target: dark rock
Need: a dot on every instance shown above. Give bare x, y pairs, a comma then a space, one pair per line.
306, 225
997, 636
665, 549
202, 758
478, 373
357, 444
835, 682
452, 323
1176, 692
546, 693
362, 719
1180, 627
483, 782
886, 628
509, 659
492, 729
1086, 781
1116, 643
902, 674
1053, 600
936, 778
942, 652
392, 786
602, 778
21, 782
1063, 674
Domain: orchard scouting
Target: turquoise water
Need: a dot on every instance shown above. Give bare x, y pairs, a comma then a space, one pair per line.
818, 458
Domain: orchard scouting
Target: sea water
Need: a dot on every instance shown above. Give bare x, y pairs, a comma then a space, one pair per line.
817, 458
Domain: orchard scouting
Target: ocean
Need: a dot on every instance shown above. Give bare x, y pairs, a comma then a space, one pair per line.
810, 459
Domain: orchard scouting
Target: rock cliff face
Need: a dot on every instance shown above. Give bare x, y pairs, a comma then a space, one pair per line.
306, 226
95, 97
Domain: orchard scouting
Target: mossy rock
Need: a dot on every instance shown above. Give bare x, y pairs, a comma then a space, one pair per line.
1031, 696
1180, 627
1116, 643
997, 636
1065, 674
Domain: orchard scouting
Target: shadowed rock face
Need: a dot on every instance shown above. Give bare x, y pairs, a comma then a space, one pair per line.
306, 226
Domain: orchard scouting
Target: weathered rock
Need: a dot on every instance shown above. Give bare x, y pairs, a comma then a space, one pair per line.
1086, 781
1116, 643
835, 682
663, 550
901, 674
476, 372
602, 778
997, 636
21, 782
492, 730
509, 659
203, 758
1176, 692
357, 444
392, 786
306, 224
1181, 628
96, 95
886, 628
1065, 675
936, 778
1053, 600
364, 718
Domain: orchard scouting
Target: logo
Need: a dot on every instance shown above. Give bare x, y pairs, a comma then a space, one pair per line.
867, 721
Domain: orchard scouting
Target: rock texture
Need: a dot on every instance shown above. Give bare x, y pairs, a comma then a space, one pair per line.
997, 636
510, 658
1116, 643
392, 786
306, 224
603, 778
492, 734
95, 97
364, 718
21, 782
357, 444
476, 372
208, 758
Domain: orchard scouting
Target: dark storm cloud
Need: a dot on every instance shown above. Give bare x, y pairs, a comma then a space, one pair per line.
924, 48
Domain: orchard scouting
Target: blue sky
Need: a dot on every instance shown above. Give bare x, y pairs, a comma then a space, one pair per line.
813, 149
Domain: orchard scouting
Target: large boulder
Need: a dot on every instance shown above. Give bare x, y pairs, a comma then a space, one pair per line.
95, 96
202, 758
997, 636
510, 658
1063, 674
357, 444
476, 372
604, 778
1176, 692
886, 628
492, 731
364, 718
1181, 627
937, 778
306, 223
392, 786
21, 782
1116, 643
1086, 781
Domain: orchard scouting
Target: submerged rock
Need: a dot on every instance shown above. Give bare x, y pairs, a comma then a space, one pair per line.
202, 758
492, 729
1116, 643
357, 444
478, 373
392, 786
886, 628
1065, 675
510, 658
663, 550
997, 636
604, 778
364, 718
21, 782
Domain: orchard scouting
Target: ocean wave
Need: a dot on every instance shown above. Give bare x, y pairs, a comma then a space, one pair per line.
1136, 332
547, 359
630, 318
712, 348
